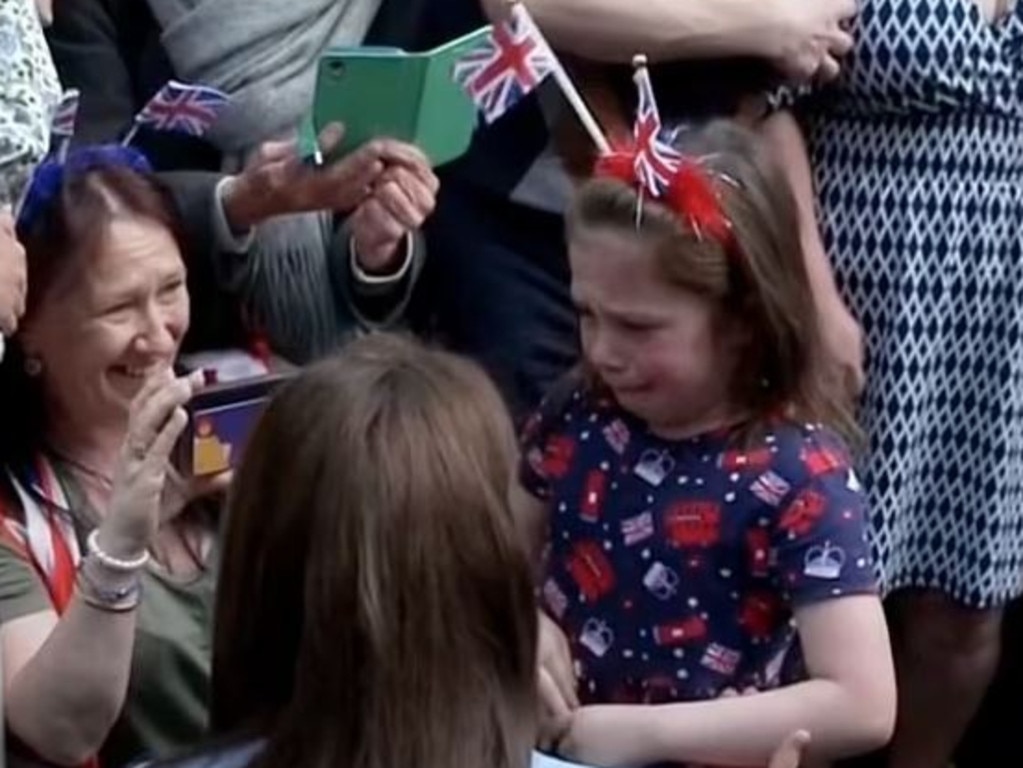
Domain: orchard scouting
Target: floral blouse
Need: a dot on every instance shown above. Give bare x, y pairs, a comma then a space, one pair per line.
29, 91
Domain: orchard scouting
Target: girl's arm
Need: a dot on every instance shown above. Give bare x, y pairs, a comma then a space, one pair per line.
848, 705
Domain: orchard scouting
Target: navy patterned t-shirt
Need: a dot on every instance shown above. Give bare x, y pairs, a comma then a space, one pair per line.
674, 566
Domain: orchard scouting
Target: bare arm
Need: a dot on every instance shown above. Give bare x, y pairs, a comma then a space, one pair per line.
65, 681
609, 30
784, 140
848, 705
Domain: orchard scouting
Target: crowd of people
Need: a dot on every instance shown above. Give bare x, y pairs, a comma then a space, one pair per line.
726, 471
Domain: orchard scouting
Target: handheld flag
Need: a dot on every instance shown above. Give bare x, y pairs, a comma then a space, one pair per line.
511, 62
62, 126
180, 108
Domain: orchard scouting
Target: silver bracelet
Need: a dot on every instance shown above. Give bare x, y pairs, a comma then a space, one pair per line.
111, 562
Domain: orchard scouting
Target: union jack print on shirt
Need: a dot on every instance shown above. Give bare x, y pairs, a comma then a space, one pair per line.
512, 61
181, 108
65, 115
656, 160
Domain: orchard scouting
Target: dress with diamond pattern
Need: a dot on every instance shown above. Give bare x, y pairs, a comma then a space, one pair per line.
918, 159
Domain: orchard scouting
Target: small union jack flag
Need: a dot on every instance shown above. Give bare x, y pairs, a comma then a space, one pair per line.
637, 529
181, 108
656, 160
770, 488
720, 659
65, 115
512, 61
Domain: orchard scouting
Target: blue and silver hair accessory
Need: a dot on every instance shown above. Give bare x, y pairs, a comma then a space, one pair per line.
49, 177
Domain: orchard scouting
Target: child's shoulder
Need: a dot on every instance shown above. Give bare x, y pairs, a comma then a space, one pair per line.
802, 453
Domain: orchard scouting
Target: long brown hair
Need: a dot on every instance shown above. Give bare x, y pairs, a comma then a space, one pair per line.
759, 280
375, 606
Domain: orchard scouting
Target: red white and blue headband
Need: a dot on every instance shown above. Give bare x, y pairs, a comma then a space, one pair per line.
652, 165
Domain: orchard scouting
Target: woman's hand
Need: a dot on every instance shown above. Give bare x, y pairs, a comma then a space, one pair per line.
810, 37
277, 181
403, 196
13, 276
138, 502
556, 682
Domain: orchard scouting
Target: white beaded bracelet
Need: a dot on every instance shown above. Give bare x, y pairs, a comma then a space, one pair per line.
111, 562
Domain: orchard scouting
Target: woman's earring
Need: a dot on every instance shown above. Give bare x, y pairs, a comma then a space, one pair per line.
33, 366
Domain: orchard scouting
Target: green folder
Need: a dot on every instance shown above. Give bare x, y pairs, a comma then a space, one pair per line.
387, 92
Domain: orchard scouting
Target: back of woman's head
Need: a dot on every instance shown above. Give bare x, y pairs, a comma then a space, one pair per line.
375, 606
755, 271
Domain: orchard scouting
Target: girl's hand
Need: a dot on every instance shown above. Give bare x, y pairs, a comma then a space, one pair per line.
556, 681
137, 506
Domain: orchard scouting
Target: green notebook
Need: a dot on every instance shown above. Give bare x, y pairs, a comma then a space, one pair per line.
387, 92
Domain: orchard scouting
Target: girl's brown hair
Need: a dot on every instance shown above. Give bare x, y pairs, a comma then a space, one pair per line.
759, 279
375, 607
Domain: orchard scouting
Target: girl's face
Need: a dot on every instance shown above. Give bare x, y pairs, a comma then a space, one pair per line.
665, 353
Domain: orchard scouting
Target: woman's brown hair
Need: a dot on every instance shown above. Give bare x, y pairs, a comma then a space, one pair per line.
758, 278
375, 607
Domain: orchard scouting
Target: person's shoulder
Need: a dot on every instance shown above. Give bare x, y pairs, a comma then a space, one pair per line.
803, 451
541, 760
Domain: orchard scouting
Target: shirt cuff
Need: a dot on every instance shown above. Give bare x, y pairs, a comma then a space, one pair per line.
1, 347
361, 276
226, 239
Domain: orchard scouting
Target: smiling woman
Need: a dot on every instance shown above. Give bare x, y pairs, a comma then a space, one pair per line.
93, 516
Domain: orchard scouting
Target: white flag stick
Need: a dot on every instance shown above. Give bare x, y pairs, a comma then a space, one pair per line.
564, 81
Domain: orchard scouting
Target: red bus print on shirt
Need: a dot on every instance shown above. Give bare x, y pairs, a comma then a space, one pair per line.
591, 570
760, 614
557, 456
755, 460
680, 632
819, 461
693, 524
803, 514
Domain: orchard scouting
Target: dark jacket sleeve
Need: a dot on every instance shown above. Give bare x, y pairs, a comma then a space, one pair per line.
86, 42
110, 51
216, 314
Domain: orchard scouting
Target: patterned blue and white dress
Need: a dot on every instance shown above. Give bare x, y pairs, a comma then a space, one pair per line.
918, 158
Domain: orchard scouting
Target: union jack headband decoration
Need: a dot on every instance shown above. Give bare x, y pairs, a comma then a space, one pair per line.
654, 167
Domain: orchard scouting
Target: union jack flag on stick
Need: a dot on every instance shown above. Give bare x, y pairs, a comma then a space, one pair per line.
656, 160
180, 108
62, 126
513, 61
